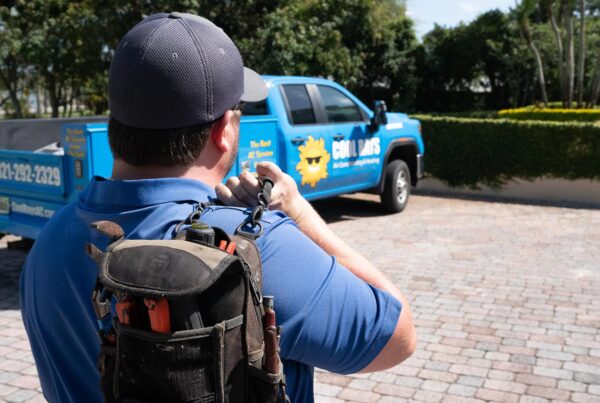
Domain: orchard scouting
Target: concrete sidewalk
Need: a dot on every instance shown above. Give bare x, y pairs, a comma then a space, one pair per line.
506, 299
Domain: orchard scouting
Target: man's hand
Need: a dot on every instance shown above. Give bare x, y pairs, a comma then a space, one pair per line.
242, 191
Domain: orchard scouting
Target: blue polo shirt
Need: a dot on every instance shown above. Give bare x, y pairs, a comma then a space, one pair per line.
330, 318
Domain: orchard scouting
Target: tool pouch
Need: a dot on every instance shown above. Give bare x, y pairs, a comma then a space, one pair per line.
218, 362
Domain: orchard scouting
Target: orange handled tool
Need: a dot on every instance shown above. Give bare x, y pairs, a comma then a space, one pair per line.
227, 248
231, 248
126, 312
158, 312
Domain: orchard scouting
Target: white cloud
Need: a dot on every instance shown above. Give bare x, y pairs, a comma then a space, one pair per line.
468, 8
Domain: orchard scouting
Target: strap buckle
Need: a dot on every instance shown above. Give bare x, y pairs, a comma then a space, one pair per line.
246, 228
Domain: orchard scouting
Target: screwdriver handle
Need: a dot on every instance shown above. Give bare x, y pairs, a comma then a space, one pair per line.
158, 312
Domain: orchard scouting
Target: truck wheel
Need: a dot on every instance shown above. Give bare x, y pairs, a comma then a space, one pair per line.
397, 186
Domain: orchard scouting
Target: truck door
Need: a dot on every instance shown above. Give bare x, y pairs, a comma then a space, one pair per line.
307, 142
355, 150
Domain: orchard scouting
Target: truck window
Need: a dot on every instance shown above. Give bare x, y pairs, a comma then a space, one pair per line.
299, 104
255, 108
338, 107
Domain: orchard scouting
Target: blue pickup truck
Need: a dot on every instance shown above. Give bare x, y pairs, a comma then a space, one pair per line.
314, 129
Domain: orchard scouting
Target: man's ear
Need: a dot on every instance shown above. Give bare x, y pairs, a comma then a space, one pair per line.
221, 132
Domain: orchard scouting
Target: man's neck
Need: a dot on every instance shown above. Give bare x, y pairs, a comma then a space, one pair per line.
124, 171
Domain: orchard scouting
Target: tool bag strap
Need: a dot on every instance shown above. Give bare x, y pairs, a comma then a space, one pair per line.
247, 227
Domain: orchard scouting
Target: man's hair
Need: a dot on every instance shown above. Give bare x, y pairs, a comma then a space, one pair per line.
163, 147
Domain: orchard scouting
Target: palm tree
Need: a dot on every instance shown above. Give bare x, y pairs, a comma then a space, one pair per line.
595, 88
523, 11
581, 74
549, 7
567, 7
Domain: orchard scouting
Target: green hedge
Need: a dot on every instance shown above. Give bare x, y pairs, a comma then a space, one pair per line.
471, 152
558, 115
469, 114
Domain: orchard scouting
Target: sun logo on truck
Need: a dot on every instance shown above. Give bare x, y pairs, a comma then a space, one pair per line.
313, 161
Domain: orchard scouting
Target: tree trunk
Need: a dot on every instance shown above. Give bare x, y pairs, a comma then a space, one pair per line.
10, 81
54, 99
538, 60
65, 103
560, 51
581, 74
595, 88
62, 99
541, 76
523, 95
595, 95
570, 62
531, 95
70, 103
16, 104
45, 101
38, 106
78, 103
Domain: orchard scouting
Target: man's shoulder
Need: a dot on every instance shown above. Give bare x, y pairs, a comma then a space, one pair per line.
229, 218
56, 248
55, 229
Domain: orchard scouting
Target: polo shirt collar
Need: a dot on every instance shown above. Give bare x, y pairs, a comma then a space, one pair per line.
144, 192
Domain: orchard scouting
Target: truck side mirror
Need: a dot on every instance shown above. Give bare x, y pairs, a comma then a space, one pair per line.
379, 116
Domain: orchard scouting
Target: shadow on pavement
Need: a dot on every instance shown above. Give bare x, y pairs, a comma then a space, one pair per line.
505, 200
10, 272
347, 208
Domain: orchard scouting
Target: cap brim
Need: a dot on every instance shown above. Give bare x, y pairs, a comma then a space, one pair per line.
254, 87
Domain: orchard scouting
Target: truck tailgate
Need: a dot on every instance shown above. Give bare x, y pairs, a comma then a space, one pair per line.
32, 188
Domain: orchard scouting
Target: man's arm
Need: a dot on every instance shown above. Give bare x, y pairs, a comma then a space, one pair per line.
285, 197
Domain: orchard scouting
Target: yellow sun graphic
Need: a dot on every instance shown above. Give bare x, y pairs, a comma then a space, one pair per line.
313, 161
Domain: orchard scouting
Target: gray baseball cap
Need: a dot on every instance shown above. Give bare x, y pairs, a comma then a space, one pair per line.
177, 70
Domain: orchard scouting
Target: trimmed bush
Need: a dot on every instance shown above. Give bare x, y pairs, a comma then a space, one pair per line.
559, 115
471, 152
469, 114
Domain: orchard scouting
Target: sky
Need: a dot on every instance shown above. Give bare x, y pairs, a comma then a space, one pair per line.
449, 13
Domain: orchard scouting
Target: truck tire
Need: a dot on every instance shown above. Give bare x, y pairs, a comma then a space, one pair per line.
396, 190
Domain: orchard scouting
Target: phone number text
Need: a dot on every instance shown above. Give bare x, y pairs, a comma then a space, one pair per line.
26, 173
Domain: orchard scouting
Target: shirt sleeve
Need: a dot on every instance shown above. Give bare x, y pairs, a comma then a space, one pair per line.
56, 289
330, 318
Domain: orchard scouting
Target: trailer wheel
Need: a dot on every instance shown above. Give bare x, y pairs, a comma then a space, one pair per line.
396, 190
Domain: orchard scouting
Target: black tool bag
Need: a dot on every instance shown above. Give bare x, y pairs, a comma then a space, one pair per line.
189, 320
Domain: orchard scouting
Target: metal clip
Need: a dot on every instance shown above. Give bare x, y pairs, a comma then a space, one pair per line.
101, 304
246, 228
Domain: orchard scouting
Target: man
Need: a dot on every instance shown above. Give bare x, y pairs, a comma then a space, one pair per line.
175, 87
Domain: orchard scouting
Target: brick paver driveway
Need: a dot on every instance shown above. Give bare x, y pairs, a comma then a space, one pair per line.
506, 300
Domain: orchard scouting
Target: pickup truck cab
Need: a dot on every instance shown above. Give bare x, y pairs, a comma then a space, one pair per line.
314, 129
